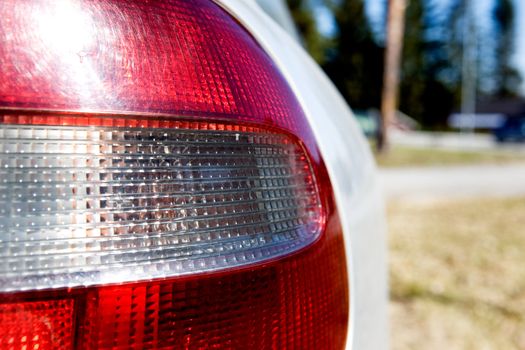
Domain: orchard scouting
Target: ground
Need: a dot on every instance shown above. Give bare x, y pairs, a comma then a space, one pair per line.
400, 155
457, 274
456, 245
431, 183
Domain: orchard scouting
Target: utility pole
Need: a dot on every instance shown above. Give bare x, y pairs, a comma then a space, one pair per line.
469, 69
394, 47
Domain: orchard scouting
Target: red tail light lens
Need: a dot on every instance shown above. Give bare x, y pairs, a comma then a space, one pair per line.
159, 186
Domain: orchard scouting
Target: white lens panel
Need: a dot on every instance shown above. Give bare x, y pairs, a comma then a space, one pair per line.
92, 205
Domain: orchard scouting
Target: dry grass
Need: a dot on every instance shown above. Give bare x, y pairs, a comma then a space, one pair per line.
413, 156
458, 274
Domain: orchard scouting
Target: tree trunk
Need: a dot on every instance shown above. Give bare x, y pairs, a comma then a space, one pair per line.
394, 46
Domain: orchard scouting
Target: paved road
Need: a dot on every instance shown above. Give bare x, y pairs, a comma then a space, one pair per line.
453, 182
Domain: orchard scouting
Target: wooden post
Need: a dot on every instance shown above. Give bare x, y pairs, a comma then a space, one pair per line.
394, 47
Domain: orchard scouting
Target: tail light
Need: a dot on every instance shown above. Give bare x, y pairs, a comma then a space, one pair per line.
159, 186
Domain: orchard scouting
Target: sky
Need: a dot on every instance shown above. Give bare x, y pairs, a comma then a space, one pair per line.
376, 8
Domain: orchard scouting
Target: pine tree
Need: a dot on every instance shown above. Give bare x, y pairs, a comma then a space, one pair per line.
455, 47
413, 66
314, 42
356, 62
424, 95
507, 78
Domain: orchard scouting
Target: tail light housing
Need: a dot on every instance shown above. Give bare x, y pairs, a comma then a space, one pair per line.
159, 185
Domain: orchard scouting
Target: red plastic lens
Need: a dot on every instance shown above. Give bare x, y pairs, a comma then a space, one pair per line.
141, 67
297, 303
177, 58
45, 324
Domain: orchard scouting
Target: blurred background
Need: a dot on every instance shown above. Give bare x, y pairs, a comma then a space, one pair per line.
449, 111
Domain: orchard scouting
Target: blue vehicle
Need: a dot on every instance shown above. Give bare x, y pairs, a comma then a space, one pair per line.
512, 130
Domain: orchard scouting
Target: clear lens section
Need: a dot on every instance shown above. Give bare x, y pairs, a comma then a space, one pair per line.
91, 205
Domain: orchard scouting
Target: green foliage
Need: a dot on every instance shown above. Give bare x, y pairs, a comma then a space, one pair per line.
303, 17
424, 95
356, 63
455, 33
493, 57
430, 87
504, 16
413, 72
507, 77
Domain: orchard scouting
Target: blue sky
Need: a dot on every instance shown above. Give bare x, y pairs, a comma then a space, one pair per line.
375, 9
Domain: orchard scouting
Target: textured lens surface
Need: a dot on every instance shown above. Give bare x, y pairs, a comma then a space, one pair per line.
84, 205
299, 302
45, 324
124, 212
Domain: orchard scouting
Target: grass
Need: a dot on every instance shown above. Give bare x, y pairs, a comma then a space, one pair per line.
412, 156
457, 273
